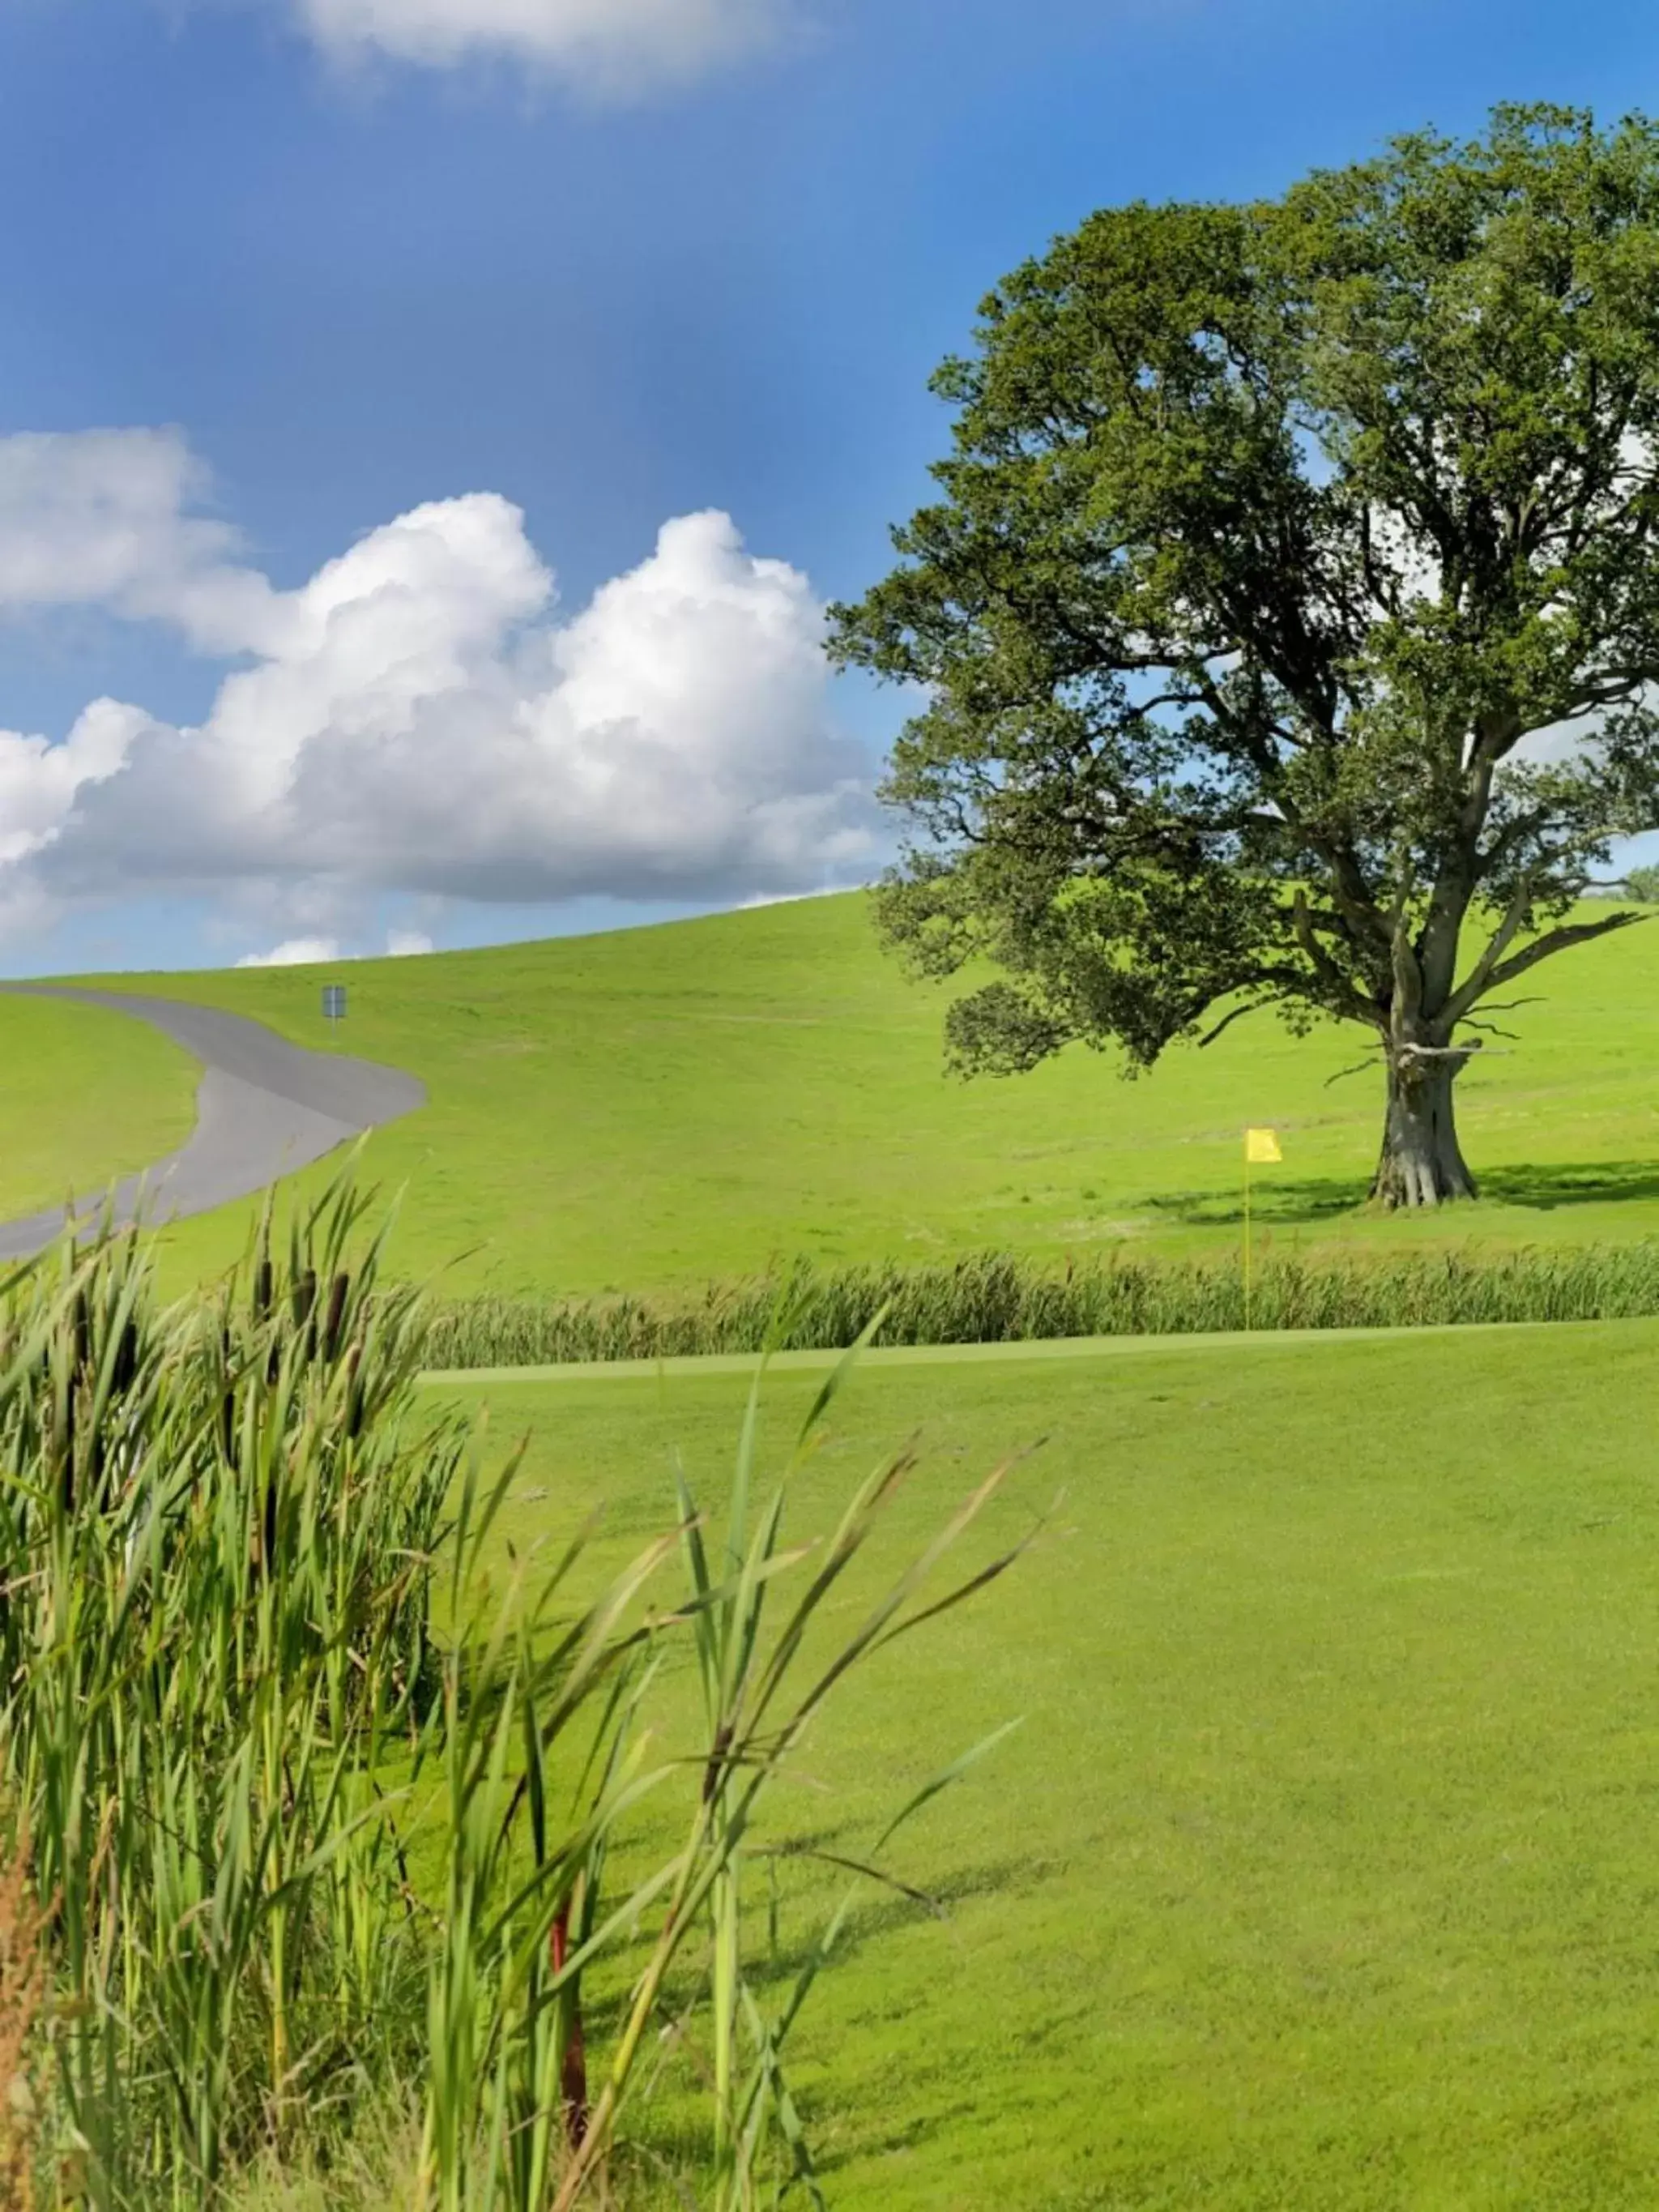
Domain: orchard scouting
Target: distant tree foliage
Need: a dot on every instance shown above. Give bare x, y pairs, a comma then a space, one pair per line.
1644, 883
1276, 546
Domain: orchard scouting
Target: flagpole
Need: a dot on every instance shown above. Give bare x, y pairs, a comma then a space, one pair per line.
1247, 1239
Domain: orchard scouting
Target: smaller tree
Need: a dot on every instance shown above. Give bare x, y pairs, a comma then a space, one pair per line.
1643, 883
1289, 621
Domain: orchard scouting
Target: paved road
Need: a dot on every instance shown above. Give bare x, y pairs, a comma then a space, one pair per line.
264, 1108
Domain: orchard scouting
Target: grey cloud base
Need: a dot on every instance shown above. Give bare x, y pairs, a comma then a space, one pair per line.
264, 1108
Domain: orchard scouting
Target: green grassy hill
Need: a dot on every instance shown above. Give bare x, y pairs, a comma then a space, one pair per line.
661, 1105
84, 1098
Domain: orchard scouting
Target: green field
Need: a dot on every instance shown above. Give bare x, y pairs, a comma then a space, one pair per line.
1321, 1871
85, 1097
658, 1106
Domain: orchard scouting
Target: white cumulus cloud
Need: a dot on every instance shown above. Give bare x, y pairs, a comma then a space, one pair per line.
40, 782
614, 47
294, 952
315, 951
103, 518
420, 719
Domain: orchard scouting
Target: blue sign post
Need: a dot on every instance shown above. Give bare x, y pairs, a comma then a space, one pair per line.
334, 1002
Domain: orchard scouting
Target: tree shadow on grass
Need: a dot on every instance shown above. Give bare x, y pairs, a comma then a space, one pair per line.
1591, 1182
1278, 1201
1274, 1199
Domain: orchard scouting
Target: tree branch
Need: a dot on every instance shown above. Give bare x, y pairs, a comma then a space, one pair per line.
1338, 986
1407, 973
1250, 1007
1481, 975
1561, 940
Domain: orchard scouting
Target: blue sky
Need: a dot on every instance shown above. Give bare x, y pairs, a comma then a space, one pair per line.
334, 280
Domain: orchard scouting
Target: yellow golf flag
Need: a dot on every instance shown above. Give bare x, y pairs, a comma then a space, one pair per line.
1261, 1148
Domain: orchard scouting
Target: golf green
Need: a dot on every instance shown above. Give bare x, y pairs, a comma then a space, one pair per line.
1321, 1871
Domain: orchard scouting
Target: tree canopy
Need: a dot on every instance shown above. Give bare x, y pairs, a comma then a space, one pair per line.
1289, 616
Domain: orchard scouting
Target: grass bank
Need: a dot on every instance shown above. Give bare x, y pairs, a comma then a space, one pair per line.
999, 1298
85, 1099
1321, 1872
642, 1110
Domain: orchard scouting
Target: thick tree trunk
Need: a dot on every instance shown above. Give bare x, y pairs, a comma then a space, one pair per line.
1421, 1164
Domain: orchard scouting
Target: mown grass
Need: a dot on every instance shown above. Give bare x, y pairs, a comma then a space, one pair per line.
1000, 1298
651, 1108
85, 1099
1321, 1872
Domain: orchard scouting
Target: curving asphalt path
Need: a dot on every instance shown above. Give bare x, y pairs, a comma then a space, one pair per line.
264, 1108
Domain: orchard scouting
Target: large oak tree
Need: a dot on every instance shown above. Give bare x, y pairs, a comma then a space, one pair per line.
1288, 620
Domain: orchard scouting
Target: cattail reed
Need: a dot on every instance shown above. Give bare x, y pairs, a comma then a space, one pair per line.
998, 1297
325, 1826
22, 1984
